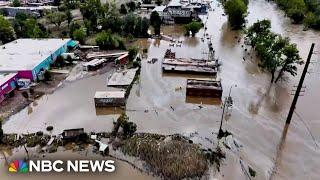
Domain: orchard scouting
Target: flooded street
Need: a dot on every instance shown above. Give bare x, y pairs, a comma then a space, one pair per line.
257, 118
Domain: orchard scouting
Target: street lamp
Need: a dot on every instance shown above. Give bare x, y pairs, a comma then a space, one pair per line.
227, 100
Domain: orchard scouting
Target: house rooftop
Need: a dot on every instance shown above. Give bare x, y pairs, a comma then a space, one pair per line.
159, 8
122, 78
26, 54
109, 94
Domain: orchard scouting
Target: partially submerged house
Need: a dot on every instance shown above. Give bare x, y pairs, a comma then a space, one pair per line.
109, 98
204, 88
7, 84
30, 57
180, 12
73, 134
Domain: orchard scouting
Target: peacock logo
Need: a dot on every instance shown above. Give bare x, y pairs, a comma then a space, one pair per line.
18, 166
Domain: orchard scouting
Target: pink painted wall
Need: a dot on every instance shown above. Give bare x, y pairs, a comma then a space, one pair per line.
25, 75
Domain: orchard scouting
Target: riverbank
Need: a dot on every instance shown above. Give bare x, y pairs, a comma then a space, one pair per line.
165, 156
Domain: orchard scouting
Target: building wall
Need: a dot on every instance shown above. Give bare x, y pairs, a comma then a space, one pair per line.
45, 64
7, 87
25, 74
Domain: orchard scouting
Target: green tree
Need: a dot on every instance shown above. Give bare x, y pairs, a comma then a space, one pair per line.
92, 10
158, 2
289, 60
129, 24
193, 27
123, 9
155, 22
79, 35
7, 33
132, 6
108, 41
16, 3
74, 26
129, 128
31, 29
236, 11
57, 18
69, 17
310, 20
276, 53
133, 51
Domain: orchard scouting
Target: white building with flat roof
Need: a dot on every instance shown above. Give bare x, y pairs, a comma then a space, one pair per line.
30, 56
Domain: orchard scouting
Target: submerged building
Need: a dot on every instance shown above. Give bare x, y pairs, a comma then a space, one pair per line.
29, 57
178, 11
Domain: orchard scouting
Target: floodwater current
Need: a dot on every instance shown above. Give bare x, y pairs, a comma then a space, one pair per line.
256, 120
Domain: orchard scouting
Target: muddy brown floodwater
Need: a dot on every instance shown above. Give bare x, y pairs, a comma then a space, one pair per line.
257, 118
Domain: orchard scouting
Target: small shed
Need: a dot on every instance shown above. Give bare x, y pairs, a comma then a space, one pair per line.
72, 134
109, 98
204, 88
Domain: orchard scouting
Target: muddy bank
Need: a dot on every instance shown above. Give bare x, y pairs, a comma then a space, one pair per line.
168, 157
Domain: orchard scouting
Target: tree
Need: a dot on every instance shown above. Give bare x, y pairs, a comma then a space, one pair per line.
193, 27
123, 9
107, 41
155, 21
158, 2
57, 18
59, 62
290, 59
129, 24
310, 20
277, 54
7, 33
133, 51
79, 35
31, 29
69, 17
47, 76
92, 10
16, 3
236, 11
132, 6
73, 26
129, 128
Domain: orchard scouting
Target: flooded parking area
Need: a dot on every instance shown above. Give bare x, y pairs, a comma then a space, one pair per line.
256, 120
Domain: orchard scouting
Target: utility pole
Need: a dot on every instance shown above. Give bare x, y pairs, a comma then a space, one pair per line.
227, 100
299, 87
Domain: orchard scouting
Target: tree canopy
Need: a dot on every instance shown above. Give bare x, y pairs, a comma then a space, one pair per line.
7, 33
277, 54
108, 41
155, 21
236, 11
193, 27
